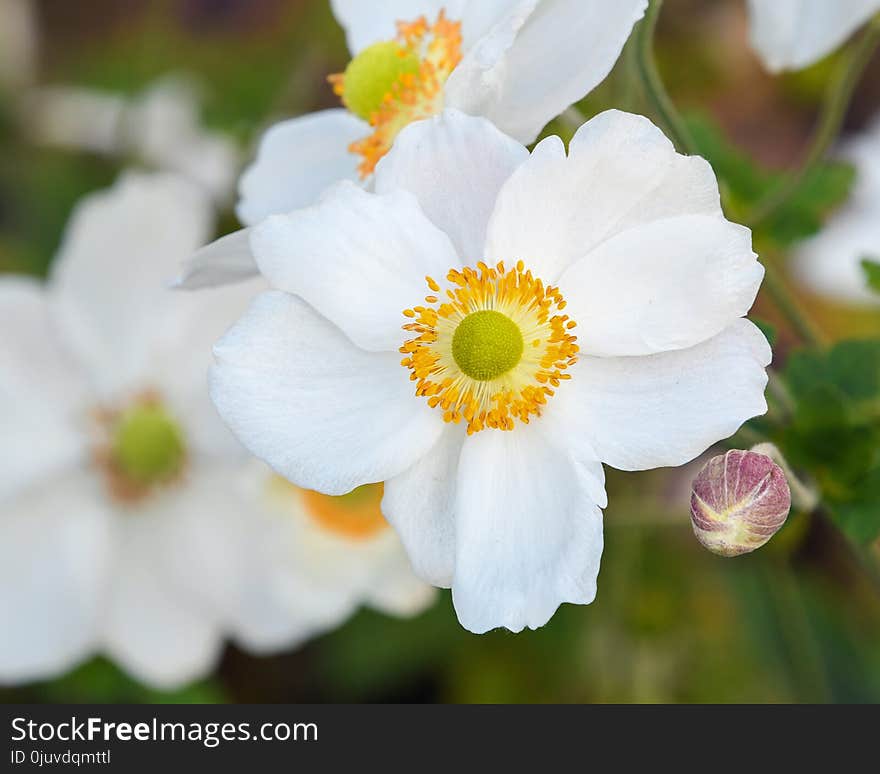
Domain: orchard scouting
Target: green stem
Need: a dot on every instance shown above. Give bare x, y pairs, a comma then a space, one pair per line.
788, 305
834, 110
655, 91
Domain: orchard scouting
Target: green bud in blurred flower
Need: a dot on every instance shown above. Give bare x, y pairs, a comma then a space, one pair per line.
148, 444
739, 500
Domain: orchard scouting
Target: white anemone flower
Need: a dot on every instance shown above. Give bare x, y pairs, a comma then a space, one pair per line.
581, 308
132, 522
519, 63
830, 264
161, 128
793, 34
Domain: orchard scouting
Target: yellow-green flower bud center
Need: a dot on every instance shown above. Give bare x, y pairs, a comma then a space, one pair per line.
148, 445
372, 73
486, 345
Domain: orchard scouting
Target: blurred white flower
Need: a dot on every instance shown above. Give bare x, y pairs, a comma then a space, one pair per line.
793, 34
130, 523
519, 63
830, 264
317, 558
160, 127
491, 431
18, 43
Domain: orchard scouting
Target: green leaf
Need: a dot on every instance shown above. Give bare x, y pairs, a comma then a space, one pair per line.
859, 518
745, 184
871, 268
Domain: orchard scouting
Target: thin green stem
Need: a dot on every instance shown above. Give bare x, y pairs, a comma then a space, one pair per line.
834, 110
655, 91
788, 305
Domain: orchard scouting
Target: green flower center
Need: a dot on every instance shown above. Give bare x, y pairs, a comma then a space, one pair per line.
486, 345
372, 74
148, 445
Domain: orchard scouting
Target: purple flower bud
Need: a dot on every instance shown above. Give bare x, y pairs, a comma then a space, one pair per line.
739, 500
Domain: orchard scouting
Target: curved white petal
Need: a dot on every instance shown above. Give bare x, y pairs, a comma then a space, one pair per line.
223, 261
181, 364
55, 544
43, 400
665, 409
297, 161
323, 413
561, 51
528, 535
793, 34
668, 284
109, 282
621, 171
159, 632
419, 504
368, 23
830, 264
455, 165
359, 258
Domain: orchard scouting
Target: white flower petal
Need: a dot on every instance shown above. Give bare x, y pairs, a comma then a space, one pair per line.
368, 23
110, 280
562, 51
793, 34
528, 536
665, 409
469, 162
669, 284
155, 630
323, 413
297, 161
419, 504
43, 399
224, 261
359, 258
621, 171
55, 542
830, 264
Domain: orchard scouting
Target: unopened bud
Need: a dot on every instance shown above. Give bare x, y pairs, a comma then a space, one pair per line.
739, 500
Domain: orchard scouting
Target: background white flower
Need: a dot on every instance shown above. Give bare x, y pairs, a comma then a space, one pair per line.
160, 127
519, 63
793, 34
130, 521
830, 263
656, 279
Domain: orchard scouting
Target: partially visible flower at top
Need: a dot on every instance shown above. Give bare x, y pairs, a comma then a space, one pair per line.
830, 263
160, 127
488, 328
519, 63
793, 34
132, 523
739, 501
19, 43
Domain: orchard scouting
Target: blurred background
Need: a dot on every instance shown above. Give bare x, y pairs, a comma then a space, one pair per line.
798, 621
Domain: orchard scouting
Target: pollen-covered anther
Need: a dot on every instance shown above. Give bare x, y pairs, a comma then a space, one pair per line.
494, 350
393, 83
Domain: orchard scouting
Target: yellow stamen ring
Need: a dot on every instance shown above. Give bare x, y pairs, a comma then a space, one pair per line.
494, 351
394, 83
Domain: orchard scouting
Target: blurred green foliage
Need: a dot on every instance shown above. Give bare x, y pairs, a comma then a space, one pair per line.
871, 268
744, 184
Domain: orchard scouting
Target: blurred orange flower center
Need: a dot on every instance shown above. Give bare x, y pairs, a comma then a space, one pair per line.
354, 515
